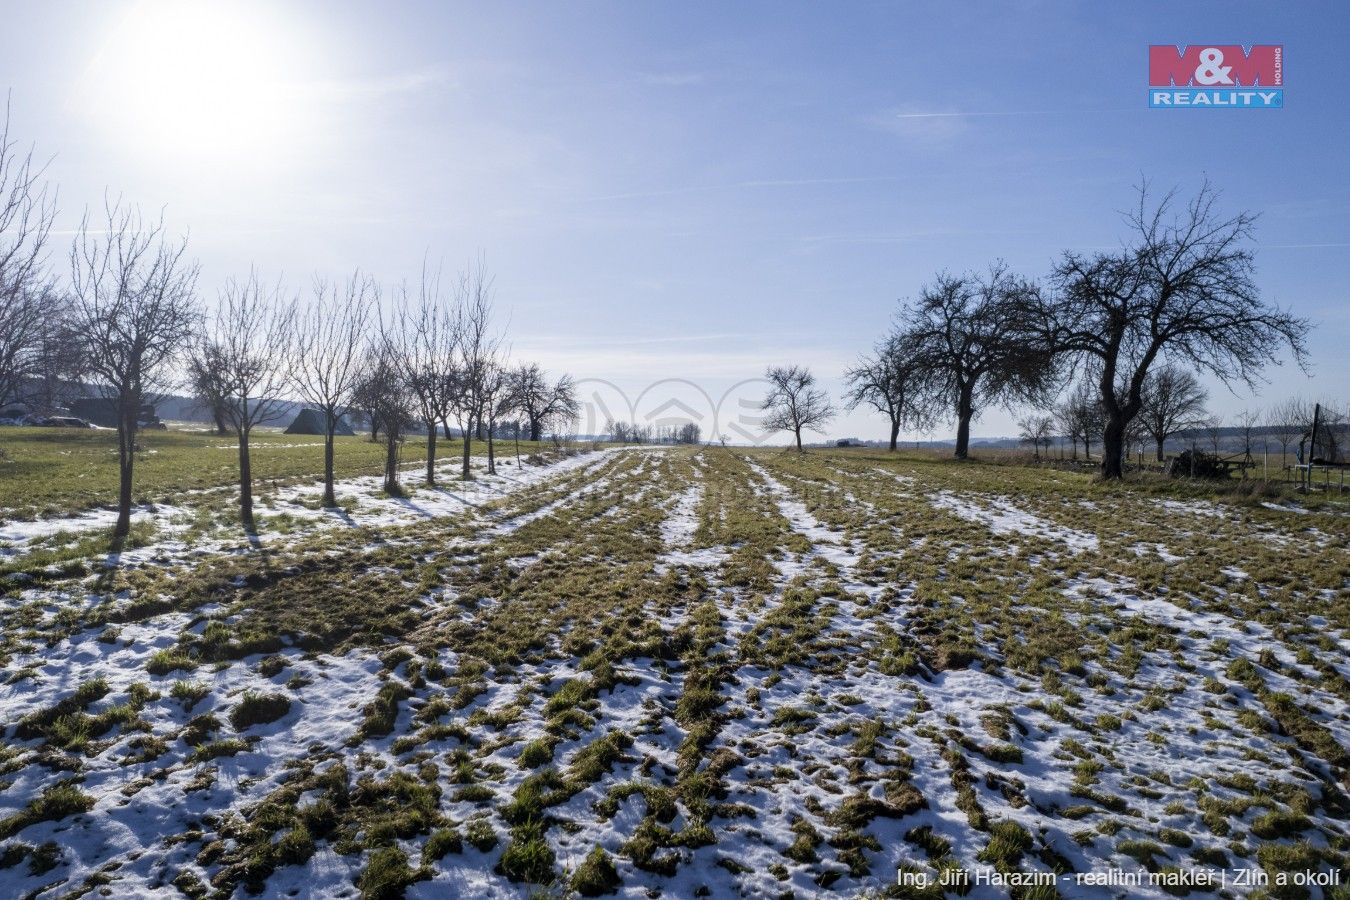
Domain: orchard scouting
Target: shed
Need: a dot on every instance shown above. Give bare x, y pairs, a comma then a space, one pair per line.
311, 421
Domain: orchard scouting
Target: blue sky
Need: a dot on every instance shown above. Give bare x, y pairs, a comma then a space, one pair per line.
684, 190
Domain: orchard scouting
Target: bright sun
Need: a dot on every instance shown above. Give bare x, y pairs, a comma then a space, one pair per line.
201, 82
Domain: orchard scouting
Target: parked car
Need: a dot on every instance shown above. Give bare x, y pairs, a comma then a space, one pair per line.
55, 422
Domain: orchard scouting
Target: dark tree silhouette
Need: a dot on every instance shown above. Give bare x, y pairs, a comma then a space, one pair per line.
249, 344
1288, 421
330, 347
970, 334
1173, 400
424, 333
133, 289
794, 402
26, 212
890, 380
1182, 287
540, 401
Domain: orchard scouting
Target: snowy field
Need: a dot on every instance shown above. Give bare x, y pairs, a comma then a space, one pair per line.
679, 672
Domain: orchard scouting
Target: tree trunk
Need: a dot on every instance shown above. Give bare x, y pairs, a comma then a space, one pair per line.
492, 459
126, 461
391, 461
1113, 447
965, 410
245, 482
221, 426
536, 426
329, 496
431, 452
895, 433
445, 428
464, 468
1160, 450
798, 433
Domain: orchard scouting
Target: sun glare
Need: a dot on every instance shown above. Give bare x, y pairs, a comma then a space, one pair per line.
201, 82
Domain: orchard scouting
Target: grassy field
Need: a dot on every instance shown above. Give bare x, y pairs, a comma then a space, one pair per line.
689, 672
51, 471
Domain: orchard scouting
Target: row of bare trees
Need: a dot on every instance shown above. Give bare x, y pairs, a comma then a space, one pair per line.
625, 432
1173, 401
434, 358
128, 322
1128, 328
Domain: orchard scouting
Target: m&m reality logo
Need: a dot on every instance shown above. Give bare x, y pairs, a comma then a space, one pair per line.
1216, 75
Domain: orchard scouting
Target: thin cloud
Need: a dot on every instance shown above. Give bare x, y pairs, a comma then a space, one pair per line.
740, 185
941, 125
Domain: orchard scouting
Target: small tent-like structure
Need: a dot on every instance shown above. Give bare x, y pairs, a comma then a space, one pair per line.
311, 421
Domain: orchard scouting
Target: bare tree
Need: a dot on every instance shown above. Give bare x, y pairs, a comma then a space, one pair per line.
478, 348
1037, 430
330, 346
1091, 412
22, 316
1287, 422
1182, 286
890, 381
1248, 421
794, 402
133, 287
1213, 428
206, 380
538, 400
391, 404
425, 334
1067, 425
969, 335
1080, 415
365, 395
690, 433
58, 367
563, 407
250, 344
26, 212
498, 401
1173, 400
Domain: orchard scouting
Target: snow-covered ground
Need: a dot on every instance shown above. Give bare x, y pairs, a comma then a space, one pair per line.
802, 677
